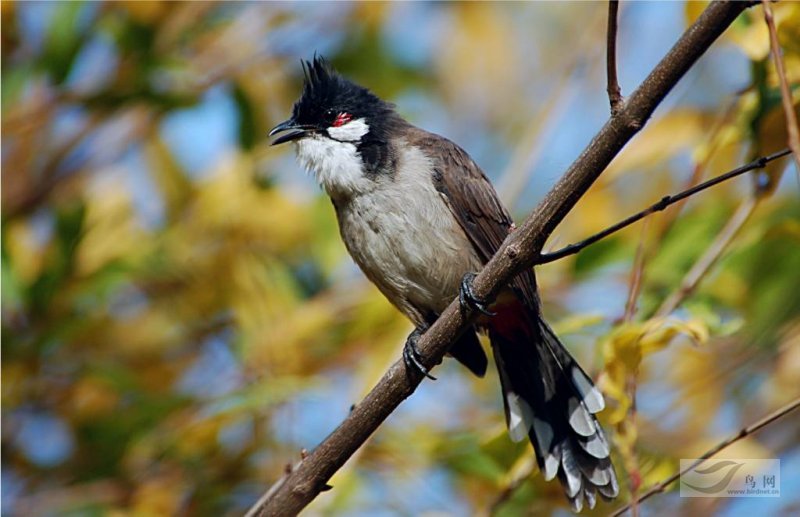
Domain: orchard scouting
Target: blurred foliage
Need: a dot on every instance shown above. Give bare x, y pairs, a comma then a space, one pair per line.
180, 318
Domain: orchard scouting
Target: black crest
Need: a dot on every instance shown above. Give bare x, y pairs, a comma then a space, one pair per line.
326, 93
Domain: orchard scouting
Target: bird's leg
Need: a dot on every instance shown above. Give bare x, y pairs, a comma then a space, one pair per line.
411, 352
467, 297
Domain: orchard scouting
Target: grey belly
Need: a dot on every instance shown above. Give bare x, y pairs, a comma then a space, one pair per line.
415, 253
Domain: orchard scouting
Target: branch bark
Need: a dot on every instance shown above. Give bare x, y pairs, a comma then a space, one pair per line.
310, 476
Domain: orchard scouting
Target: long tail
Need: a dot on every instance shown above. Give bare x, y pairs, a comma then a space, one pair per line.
550, 399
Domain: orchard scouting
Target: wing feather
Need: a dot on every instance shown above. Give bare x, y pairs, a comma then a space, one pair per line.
474, 203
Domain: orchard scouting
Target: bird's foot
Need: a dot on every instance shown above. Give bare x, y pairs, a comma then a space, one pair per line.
467, 297
411, 353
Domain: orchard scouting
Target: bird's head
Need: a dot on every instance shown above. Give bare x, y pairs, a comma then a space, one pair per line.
331, 107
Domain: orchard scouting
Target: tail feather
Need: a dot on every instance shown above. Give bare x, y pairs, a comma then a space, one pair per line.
590, 493
581, 383
549, 398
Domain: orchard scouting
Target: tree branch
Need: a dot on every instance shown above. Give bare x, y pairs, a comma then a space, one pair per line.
614, 92
658, 206
786, 94
519, 252
747, 431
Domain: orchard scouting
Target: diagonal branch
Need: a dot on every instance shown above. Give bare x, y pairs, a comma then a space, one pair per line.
661, 204
743, 433
786, 94
310, 476
614, 92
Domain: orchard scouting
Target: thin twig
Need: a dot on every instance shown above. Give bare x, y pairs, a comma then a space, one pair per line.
710, 257
630, 425
637, 273
614, 92
666, 201
743, 433
671, 214
720, 122
518, 252
786, 94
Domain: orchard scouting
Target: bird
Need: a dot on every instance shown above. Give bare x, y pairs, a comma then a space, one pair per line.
419, 217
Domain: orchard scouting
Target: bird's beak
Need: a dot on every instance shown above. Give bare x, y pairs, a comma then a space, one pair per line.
296, 131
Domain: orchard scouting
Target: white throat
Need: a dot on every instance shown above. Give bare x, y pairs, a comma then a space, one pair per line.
350, 132
335, 161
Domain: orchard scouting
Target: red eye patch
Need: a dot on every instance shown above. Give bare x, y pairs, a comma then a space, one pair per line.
342, 119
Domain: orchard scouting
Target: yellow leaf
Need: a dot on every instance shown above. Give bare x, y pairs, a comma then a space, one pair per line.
624, 349
664, 331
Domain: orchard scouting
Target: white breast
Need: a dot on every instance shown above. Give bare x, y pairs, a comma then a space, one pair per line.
405, 239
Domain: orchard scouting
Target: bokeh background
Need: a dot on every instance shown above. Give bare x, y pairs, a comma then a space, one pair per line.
180, 319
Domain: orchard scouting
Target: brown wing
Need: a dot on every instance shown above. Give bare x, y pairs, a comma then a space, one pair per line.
474, 203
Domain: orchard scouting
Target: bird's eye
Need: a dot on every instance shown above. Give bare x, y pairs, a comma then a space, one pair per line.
342, 119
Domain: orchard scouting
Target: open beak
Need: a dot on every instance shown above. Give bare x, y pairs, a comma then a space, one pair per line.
295, 131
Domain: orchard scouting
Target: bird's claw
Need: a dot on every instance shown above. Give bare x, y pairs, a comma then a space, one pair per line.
467, 297
411, 354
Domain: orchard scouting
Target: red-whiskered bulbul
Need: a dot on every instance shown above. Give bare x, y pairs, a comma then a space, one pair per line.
419, 217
